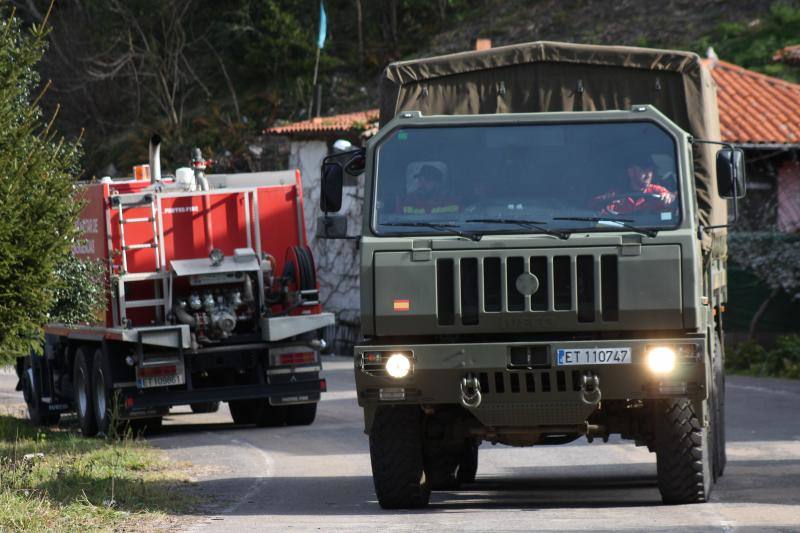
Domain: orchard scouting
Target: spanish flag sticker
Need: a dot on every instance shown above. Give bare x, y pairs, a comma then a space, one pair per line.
402, 305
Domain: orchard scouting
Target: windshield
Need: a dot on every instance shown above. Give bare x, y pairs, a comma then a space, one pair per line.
547, 178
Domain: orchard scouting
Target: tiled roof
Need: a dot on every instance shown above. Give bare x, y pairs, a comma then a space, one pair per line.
336, 124
788, 54
755, 108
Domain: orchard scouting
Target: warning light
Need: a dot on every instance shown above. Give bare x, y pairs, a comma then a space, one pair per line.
402, 305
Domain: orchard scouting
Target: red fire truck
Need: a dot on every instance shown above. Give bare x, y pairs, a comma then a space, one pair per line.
212, 297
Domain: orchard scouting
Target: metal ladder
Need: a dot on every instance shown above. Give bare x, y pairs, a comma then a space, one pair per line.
159, 276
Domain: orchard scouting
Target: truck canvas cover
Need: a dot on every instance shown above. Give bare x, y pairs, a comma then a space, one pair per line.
548, 76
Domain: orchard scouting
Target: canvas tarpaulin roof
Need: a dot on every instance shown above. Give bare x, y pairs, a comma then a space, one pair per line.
548, 76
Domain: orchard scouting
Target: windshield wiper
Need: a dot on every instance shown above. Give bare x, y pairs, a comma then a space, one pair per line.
439, 227
529, 224
622, 222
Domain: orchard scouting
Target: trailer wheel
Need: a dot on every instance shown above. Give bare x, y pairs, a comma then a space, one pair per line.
106, 409
243, 412
683, 461
301, 415
270, 416
205, 407
395, 450
82, 387
38, 412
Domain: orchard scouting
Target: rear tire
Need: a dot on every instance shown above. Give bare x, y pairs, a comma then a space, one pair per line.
301, 415
205, 407
243, 412
682, 451
106, 409
38, 412
83, 394
270, 416
395, 449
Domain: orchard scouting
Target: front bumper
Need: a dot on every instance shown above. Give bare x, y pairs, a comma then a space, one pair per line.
540, 394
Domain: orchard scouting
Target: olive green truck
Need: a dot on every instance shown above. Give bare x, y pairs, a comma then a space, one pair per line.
543, 257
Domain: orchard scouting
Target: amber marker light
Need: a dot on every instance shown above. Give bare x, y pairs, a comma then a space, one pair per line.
402, 305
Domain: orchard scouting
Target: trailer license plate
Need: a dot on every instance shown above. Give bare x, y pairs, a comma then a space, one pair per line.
593, 356
160, 381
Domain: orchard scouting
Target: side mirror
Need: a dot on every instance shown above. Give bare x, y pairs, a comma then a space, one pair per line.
333, 169
332, 227
731, 173
330, 199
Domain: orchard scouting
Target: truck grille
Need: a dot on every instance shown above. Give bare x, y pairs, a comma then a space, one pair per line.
585, 285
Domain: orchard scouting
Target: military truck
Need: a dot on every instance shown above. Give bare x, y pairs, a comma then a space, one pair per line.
543, 257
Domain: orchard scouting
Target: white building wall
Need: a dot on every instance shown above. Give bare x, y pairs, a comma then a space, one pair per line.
336, 260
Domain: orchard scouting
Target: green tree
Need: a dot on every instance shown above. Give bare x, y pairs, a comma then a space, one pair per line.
753, 45
37, 206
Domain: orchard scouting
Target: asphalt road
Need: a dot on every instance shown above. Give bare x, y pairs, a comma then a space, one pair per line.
318, 477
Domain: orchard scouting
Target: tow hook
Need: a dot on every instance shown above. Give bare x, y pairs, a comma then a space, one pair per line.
590, 389
470, 391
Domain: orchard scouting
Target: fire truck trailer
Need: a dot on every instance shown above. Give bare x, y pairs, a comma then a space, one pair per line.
212, 297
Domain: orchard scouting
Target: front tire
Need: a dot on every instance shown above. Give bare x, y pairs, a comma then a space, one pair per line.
684, 461
83, 396
468, 466
395, 449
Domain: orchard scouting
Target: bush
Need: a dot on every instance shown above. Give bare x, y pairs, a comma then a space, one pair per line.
80, 293
751, 358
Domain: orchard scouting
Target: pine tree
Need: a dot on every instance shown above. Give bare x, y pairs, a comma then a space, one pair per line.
38, 209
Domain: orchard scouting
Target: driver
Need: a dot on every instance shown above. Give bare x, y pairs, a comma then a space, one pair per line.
641, 194
431, 195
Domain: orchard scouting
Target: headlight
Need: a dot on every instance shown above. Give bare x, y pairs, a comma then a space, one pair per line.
398, 365
661, 360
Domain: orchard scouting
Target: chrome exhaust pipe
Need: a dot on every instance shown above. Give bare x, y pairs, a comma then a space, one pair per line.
155, 158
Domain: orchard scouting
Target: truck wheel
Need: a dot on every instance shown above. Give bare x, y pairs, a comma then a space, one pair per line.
301, 415
395, 449
721, 457
441, 468
682, 453
468, 466
82, 387
205, 407
243, 411
106, 411
38, 411
270, 416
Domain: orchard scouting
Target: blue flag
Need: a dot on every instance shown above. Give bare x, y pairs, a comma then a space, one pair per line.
323, 26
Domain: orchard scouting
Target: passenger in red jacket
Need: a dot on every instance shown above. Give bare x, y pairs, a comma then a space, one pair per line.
640, 195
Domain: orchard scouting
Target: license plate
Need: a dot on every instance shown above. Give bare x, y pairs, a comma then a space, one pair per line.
593, 356
160, 381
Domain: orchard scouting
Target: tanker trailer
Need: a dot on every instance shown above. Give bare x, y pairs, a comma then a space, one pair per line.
212, 297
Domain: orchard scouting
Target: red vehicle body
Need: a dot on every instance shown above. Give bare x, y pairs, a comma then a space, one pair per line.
213, 297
